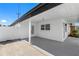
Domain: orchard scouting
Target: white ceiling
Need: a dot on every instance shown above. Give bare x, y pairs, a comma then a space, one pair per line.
66, 11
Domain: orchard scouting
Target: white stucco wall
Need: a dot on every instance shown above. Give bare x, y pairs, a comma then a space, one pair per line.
55, 32
15, 32
22, 30
7, 33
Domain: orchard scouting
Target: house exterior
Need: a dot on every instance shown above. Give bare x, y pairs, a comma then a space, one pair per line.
51, 21
55, 32
56, 29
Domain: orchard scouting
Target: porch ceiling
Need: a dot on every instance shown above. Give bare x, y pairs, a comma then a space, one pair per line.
67, 11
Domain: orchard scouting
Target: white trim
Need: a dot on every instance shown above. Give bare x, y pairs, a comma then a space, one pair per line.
42, 51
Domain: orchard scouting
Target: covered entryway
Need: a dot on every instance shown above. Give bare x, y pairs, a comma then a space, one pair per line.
54, 40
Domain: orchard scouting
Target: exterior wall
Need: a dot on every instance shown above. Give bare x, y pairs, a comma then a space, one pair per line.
55, 32
7, 33
15, 32
22, 30
56, 22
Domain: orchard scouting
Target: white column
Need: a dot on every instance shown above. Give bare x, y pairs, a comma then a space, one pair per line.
29, 31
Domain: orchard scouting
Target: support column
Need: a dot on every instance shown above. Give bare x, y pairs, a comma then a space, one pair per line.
29, 31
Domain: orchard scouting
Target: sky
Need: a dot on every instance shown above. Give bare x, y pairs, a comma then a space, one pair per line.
8, 11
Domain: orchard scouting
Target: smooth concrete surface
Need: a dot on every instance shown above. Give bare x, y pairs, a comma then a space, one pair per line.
19, 48
70, 47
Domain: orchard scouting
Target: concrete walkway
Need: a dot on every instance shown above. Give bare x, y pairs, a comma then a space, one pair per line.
20, 48
70, 47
